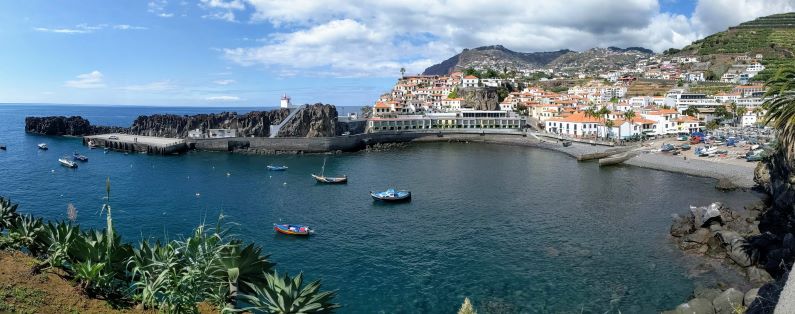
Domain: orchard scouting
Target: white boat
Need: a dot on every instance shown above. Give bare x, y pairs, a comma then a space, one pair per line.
42, 146
91, 144
66, 162
705, 151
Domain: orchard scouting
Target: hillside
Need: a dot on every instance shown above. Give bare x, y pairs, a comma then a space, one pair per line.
499, 58
773, 36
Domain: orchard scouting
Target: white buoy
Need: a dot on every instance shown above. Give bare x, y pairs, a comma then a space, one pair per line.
285, 183
228, 174
53, 170
198, 194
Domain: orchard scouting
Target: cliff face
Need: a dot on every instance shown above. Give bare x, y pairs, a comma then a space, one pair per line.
255, 123
316, 120
480, 98
60, 125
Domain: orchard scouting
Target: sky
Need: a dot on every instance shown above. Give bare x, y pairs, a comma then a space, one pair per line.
250, 52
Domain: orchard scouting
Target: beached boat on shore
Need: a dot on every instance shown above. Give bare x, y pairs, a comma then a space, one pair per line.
391, 195
64, 161
298, 230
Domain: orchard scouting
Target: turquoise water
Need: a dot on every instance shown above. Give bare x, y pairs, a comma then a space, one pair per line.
515, 229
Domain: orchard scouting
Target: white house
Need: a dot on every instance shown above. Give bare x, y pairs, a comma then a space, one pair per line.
285, 102
470, 81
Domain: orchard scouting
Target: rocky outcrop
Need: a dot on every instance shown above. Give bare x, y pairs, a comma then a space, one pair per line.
316, 120
480, 98
72, 126
255, 123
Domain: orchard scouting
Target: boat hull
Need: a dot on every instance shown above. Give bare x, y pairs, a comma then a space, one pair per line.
330, 180
391, 199
277, 168
285, 229
68, 164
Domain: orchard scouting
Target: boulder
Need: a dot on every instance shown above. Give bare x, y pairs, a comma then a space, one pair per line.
706, 293
704, 215
739, 256
681, 226
696, 306
728, 301
701, 235
725, 184
757, 276
750, 296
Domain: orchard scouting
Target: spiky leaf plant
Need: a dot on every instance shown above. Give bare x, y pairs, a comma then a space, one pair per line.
8, 214
282, 294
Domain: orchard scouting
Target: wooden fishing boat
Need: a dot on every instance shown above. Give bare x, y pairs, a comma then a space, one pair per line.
391, 195
332, 180
322, 178
79, 157
64, 161
297, 230
277, 168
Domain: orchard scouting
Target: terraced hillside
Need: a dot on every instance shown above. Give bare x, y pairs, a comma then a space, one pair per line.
773, 36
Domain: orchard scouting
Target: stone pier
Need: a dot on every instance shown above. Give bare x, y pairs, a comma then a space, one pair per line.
135, 143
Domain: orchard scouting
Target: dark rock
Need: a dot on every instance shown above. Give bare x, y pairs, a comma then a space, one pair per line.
255, 123
758, 276
725, 184
72, 126
728, 301
480, 98
767, 297
750, 296
706, 293
316, 120
682, 226
701, 235
696, 306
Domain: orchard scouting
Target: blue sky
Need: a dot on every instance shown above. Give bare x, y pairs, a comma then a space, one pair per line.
249, 52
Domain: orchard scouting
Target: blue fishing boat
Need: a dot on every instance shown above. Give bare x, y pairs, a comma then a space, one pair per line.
79, 157
277, 168
391, 195
298, 230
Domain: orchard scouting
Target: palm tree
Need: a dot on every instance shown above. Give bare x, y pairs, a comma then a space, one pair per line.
283, 295
691, 111
629, 115
609, 124
739, 112
402, 72
781, 108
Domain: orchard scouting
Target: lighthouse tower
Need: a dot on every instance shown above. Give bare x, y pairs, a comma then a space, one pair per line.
285, 102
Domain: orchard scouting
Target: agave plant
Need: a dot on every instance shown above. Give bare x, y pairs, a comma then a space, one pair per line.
8, 214
282, 294
246, 265
25, 233
59, 240
92, 278
150, 267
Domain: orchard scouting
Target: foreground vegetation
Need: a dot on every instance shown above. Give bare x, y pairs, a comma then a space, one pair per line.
210, 267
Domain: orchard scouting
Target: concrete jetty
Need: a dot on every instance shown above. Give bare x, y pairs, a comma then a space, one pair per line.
136, 143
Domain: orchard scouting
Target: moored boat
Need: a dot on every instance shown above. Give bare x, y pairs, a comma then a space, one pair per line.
42, 146
79, 157
2, 146
91, 144
299, 230
64, 161
322, 178
277, 168
391, 195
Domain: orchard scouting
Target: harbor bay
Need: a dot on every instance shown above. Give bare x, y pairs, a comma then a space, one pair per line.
519, 229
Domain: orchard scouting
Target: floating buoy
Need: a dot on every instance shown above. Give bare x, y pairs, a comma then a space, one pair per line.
53, 170
198, 194
285, 183
228, 174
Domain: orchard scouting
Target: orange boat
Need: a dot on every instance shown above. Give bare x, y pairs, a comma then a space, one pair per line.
299, 230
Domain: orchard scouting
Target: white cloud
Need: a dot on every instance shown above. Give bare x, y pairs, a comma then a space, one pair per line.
223, 98
224, 82
88, 80
86, 28
158, 86
222, 9
366, 38
128, 27
158, 7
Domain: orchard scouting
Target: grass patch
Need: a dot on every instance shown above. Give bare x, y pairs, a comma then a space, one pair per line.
20, 299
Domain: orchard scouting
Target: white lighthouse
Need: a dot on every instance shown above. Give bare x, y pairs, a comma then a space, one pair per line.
285, 102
